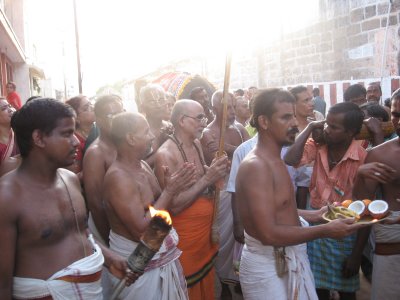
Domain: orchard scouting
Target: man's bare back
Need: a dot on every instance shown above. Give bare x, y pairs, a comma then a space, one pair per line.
143, 187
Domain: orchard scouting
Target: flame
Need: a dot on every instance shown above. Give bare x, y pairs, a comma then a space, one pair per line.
161, 213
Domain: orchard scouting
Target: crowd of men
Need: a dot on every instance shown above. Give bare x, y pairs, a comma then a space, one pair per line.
77, 181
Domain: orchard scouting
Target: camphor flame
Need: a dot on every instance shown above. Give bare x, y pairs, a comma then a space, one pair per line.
161, 213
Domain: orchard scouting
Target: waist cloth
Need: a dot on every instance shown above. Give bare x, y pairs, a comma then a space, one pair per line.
80, 280
163, 277
386, 271
326, 259
259, 278
194, 229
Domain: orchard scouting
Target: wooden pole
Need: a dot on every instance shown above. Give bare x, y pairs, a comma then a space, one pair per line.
78, 59
225, 95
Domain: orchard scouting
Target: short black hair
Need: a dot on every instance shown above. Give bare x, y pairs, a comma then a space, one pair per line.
353, 115
264, 103
388, 102
297, 90
240, 92
315, 92
122, 124
354, 91
395, 95
40, 113
103, 101
375, 110
195, 91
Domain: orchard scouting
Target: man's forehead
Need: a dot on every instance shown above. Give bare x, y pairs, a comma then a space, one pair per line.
395, 107
303, 95
282, 108
337, 118
373, 87
193, 107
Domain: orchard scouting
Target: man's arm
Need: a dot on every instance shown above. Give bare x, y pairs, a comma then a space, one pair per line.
8, 238
260, 205
370, 175
184, 199
295, 152
93, 176
313, 216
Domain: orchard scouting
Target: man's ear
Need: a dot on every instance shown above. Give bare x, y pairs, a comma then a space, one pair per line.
130, 138
37, 137
263, 122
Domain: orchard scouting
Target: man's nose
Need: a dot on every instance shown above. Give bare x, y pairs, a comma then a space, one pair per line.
75, 141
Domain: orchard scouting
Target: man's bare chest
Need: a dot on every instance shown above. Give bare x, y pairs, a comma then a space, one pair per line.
48, 217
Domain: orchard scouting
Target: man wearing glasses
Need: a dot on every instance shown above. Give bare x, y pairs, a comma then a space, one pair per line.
192, 209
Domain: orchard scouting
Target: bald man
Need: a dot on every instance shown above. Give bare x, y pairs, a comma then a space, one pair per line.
130, 187
192, 210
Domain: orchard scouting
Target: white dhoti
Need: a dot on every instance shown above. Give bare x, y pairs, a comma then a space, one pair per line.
386, 270
224, 260
163, 278
105, 277
258, 274
80, 280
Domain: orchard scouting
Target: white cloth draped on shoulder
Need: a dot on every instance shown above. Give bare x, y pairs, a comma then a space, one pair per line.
71, 283
163, 278
258, 275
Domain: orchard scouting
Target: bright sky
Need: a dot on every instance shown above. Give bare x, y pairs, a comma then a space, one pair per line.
124, 39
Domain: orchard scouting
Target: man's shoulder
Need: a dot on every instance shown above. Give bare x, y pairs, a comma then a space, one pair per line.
96, 150
253, 163
381, 151
10, 191
68, 176
167, 149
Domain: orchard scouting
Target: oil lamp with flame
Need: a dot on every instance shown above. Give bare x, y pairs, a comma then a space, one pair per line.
150, 242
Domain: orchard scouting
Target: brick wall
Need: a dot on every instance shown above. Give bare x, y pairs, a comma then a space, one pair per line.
345, 44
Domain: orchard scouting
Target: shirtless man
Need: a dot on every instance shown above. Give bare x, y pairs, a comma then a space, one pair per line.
192, 209
98, 158
154, 105
382, 170
43, 216
200, 95
130, 187
235, 134
268, 209
242, 111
